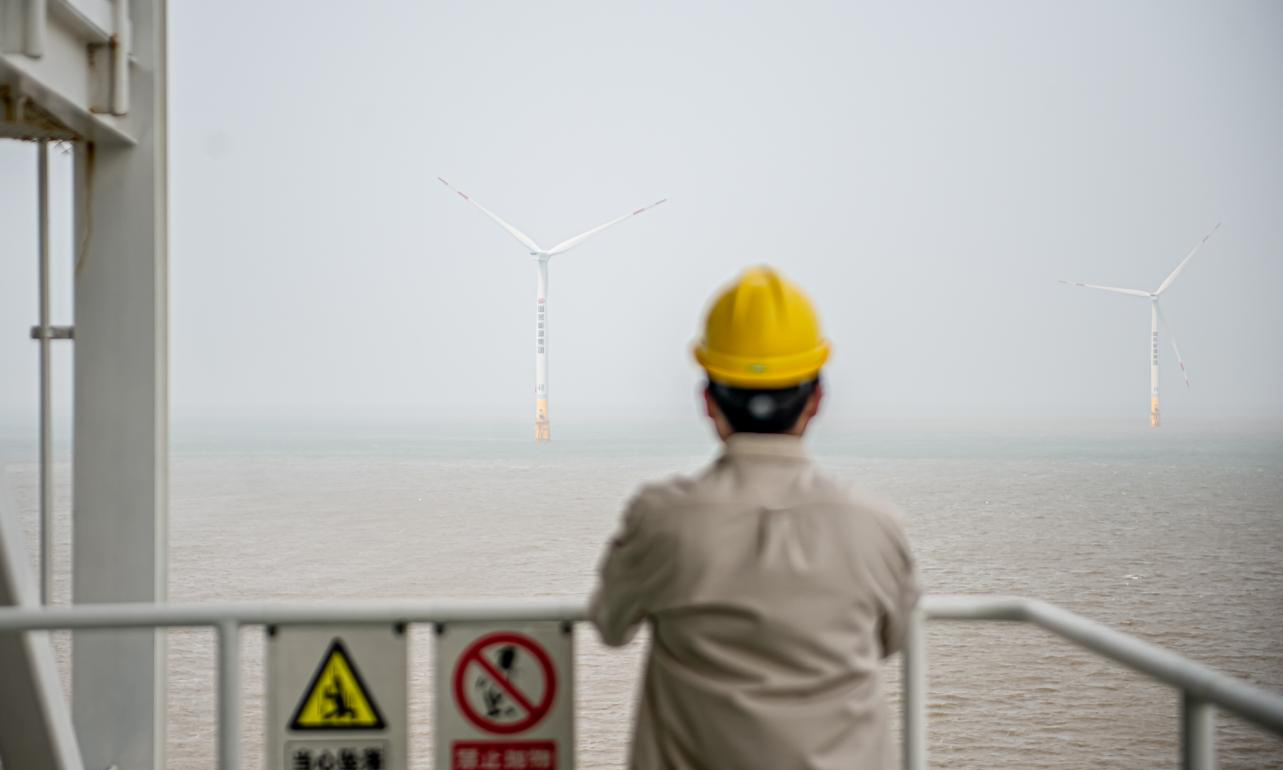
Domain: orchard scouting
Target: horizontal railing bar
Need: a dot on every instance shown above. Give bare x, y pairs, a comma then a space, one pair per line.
147, 615
974, 607
1205, 683
1248, 701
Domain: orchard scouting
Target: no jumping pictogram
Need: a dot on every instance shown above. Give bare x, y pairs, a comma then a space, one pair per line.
504, 683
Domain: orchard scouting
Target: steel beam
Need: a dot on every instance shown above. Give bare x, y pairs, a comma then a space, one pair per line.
78, 84
120, 453
35, 724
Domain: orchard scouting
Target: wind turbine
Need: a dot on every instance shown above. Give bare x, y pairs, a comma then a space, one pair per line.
1156, 315
541, 255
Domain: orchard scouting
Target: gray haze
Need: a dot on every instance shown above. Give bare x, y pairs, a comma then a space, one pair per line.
926, 171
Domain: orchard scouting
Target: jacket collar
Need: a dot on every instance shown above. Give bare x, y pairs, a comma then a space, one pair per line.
776, 445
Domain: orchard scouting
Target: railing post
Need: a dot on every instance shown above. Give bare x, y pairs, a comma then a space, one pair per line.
1198, 733
229, 711
914, 695
46, 376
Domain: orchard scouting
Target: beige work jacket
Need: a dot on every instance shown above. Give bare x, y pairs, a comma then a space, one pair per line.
771, 592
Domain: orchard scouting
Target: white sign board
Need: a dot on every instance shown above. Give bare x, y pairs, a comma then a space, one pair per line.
336, 698
504, 697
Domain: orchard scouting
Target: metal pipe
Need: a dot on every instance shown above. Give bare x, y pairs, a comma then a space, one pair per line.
33, 42
148, 615
1198, 734
46, 382
1207, 684
229, 711
121, 44
975, 607
914, 692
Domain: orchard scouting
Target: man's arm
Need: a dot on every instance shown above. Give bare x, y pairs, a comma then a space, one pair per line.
901, 592
626, 578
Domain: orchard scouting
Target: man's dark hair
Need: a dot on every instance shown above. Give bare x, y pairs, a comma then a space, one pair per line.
761, 410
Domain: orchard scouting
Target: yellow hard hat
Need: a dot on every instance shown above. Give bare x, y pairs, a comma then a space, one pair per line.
762, 332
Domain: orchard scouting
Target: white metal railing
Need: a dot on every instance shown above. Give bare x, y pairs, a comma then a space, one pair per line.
1203, 689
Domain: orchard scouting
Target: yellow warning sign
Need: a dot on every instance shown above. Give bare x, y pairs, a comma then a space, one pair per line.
337, 698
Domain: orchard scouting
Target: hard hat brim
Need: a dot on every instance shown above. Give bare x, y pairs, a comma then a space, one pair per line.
746, 372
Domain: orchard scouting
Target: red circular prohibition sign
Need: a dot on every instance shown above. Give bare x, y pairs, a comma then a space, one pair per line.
534, 711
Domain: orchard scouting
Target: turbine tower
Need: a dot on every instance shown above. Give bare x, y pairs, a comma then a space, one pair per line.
541, 256
1156, 315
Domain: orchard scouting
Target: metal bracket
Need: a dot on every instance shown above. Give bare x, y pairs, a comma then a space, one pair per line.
53, 333
109, 65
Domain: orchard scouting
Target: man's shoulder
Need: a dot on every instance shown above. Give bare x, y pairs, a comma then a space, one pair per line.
657, 498
666, 494
881, 513
853, 500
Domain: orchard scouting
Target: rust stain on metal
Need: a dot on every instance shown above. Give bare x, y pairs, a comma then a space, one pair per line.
84, 187
22, 118
96, 77
102, 58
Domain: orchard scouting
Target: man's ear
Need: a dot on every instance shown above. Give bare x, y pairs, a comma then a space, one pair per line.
714, 412
810, 410
813, 403
710, 406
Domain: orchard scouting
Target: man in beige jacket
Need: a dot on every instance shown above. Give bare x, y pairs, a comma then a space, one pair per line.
771, 591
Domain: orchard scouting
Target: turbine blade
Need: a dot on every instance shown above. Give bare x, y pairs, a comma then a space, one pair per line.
526, 240
1172, 337
1163, 286
1133, 292
578, 239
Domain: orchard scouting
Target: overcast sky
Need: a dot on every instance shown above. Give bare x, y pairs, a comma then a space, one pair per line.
926, 171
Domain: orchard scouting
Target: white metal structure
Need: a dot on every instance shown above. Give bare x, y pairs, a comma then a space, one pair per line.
1202, 689
93, 74
1156, 315
543, 431
35, 719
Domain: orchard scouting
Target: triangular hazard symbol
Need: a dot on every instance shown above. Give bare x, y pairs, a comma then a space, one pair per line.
337, 698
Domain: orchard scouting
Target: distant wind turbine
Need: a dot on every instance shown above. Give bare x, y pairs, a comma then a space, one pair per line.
541, 255
1156, 315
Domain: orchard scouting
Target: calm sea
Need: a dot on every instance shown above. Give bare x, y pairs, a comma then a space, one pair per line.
1174, 535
